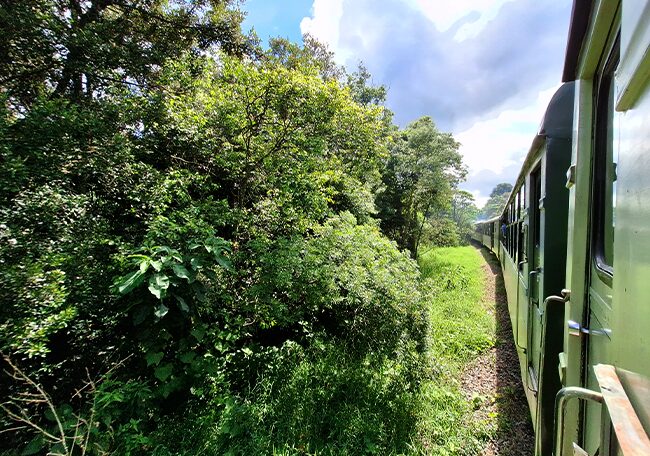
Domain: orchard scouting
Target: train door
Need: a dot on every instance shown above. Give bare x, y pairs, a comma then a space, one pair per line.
522, 268
535, 271
596, 320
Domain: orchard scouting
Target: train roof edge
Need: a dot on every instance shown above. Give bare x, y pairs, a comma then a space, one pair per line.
556, 123
490, 220
580, 16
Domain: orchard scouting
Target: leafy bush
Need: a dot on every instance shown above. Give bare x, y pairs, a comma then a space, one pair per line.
441, 232
207, 224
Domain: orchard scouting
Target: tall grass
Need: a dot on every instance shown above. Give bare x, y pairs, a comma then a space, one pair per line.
461, 329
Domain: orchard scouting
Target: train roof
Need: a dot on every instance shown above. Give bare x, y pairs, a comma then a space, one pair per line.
556, 123
577, 30
492, 220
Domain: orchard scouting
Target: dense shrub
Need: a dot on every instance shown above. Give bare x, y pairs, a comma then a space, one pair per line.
191, 260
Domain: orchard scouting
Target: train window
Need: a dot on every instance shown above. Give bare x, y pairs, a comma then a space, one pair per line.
604, 166
518, 205
522, 243
513, 238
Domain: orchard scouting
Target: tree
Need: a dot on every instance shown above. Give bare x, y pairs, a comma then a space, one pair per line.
421, 174
498, 197
80, 49
313, 54
463, 212
177, 202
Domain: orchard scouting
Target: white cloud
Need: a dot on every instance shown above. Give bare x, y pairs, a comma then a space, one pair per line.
445, 14
324, 23
480, 68
494, 149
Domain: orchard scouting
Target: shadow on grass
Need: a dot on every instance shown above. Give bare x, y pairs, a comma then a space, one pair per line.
514, 435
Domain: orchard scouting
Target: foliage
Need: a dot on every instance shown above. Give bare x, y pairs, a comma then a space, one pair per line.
313, 54
453, 226
80, 49
423, 169
203, 213
497, 201
464, 212
440, 232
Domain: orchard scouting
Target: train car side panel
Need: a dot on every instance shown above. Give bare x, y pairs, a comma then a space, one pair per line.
609, 250
631, 317
579, 185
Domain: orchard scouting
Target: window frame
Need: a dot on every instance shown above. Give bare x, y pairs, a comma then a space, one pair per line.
603, 112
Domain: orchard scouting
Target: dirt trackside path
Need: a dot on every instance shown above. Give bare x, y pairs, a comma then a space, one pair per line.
492, 381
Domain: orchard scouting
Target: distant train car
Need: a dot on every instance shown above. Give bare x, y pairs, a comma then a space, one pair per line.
579, 208
486, 232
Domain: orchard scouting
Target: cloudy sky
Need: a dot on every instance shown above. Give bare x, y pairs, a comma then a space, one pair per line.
482, 69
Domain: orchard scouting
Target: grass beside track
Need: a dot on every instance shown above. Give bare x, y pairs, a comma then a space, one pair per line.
461, 329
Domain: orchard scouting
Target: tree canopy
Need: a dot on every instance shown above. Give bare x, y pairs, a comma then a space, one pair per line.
193, 228
498, 198
421, 174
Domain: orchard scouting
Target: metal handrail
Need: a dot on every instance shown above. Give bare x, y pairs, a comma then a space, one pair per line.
561, 399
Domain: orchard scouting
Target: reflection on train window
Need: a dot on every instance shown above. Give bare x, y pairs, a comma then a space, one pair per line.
605, 159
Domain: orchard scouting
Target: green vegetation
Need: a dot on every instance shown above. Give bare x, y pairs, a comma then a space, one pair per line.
461, 329
496, 202
191, 241
420, 179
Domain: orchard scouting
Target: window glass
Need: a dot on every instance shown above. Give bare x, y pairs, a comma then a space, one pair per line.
605, 160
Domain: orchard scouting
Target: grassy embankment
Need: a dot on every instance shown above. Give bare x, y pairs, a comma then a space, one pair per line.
461, 329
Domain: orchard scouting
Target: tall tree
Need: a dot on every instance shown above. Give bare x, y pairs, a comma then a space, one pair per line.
463, 212
422, 171
80, 48
498, 197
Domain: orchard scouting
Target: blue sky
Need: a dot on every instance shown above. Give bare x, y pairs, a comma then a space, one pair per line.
273, 18
484, 70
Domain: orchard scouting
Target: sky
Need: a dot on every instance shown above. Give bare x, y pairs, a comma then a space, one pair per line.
484, 70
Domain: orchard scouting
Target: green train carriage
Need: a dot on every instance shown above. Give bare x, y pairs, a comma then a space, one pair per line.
486, 232
581, 205
605, 364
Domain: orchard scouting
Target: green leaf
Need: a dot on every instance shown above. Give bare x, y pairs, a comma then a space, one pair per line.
139, 257
182, 272
50, 415
153, 358
198, 333
65, 410
35, 446
130, 281
144, 265
158, 285
157, 265
161, 311
223, 262
163, 372
196, 263
182, 304
199, 291
187, 357
162, 249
